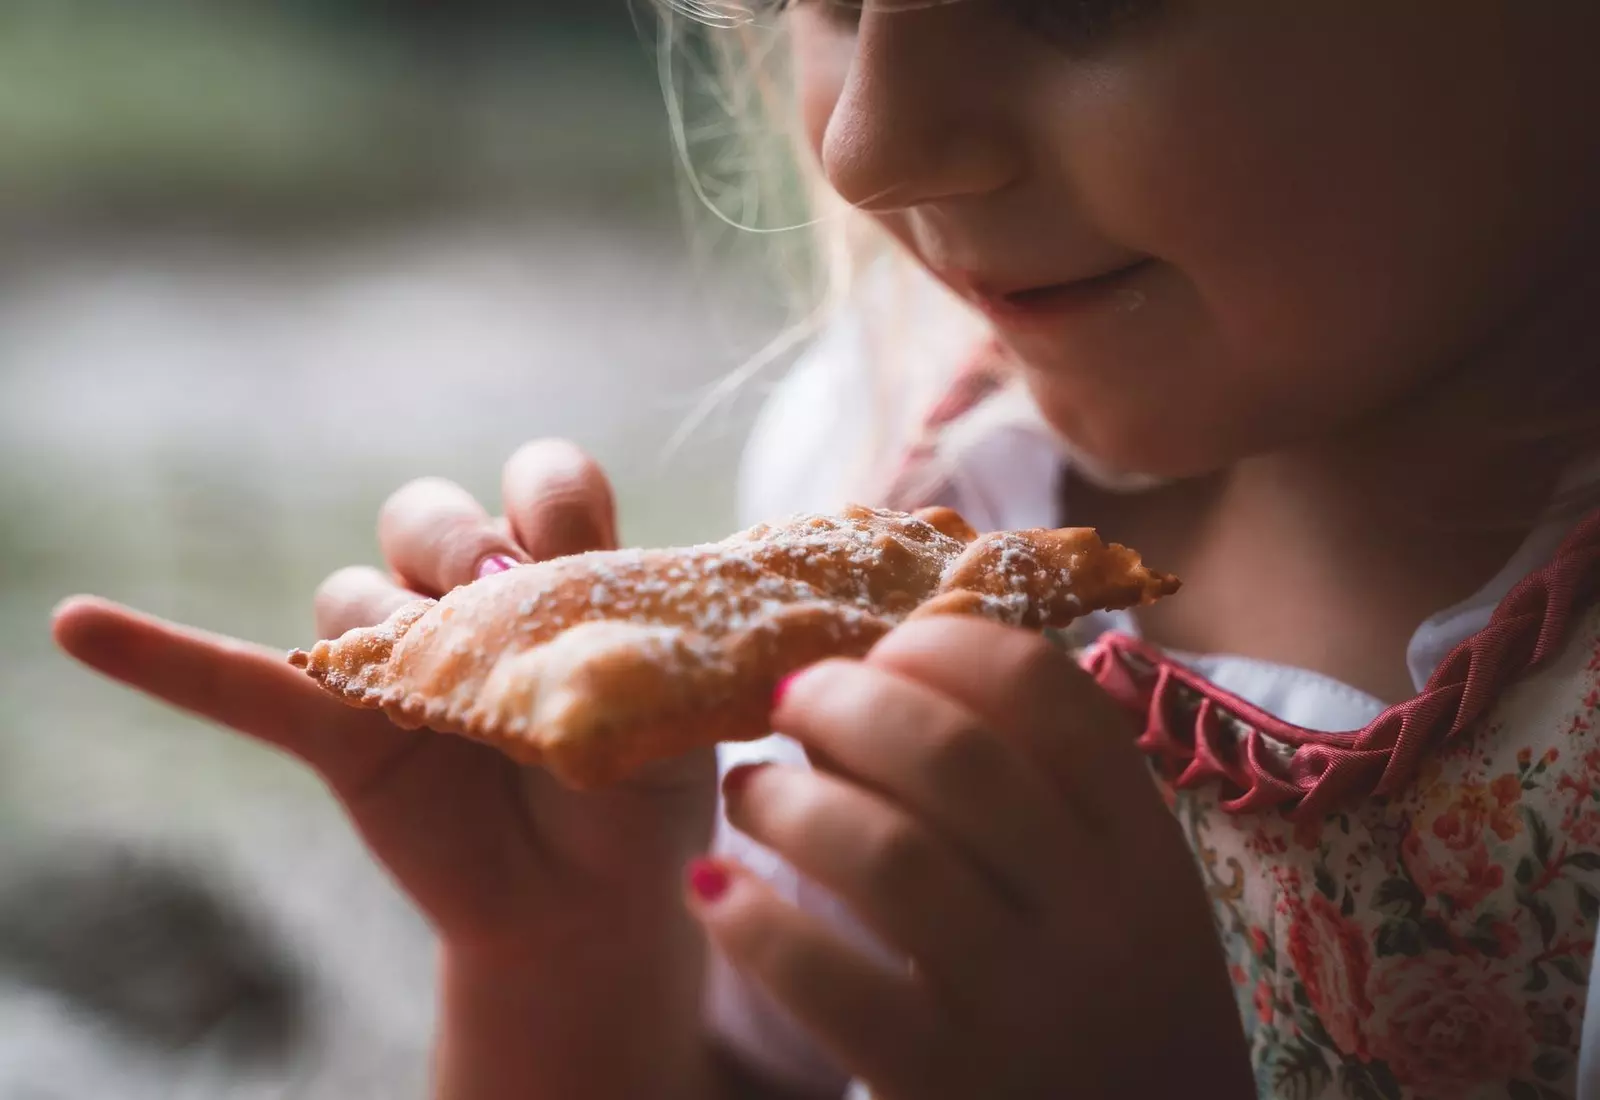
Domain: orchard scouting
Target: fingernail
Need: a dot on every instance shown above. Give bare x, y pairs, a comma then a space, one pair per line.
783, 689
708, 879
496, 563
738, 777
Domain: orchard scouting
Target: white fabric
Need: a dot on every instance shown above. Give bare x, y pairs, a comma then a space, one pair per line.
1443, 632
1009, 476
824, 389
1006, 478
1589, 1047
814, 444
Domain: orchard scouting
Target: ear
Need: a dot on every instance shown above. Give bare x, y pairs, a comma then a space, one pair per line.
947, 521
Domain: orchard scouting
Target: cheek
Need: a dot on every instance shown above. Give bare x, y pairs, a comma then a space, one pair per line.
1325, 250
816, 109
1300, 253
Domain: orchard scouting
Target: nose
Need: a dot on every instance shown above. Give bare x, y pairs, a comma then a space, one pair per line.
921, 117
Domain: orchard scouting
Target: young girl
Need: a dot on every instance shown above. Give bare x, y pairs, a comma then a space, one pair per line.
1300, 300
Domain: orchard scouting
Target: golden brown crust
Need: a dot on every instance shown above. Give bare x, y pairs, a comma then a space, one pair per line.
595, 665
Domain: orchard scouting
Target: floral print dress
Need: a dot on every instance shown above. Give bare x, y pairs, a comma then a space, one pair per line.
1408, 910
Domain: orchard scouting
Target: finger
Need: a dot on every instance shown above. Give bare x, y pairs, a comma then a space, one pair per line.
355, 597
1035, 696
558, 501
876, 1024
246, 687
933, 756
907, 885
436, 537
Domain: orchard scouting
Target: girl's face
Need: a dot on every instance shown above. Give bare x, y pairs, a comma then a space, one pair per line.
1213, 228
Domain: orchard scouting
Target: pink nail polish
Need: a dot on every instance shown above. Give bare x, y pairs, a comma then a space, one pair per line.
496, 563
738, 777
708, 879
783, 689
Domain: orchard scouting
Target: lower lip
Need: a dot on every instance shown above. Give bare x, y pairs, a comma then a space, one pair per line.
1113, 289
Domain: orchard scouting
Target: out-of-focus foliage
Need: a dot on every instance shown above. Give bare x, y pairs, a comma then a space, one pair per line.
311, 106
262, 261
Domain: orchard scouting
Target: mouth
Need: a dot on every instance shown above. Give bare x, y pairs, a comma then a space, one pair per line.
1055, 300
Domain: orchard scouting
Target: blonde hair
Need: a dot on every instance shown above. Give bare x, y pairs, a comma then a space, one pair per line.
745, 169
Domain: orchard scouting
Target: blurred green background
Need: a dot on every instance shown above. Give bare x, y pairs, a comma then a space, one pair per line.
260, 263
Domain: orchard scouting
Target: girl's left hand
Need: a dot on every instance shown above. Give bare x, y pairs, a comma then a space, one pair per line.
981, 805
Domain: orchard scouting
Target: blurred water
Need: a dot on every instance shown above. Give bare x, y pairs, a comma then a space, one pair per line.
205, 426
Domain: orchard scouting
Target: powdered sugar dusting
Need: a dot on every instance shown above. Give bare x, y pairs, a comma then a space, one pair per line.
594, 645
730, 586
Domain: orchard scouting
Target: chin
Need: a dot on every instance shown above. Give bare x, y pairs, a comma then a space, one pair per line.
1153, 439
1166, 460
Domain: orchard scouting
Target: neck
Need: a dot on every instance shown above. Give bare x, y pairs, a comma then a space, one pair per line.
1287, 560
1329, 556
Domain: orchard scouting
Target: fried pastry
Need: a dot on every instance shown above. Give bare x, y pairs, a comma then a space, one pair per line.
596, 664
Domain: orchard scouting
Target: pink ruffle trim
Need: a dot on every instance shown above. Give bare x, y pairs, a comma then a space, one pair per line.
1203, 735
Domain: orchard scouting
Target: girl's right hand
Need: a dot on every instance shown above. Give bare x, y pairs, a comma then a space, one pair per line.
564, 937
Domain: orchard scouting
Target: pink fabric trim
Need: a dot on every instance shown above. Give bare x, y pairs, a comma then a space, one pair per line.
982, 376
1308, 772
970, 388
